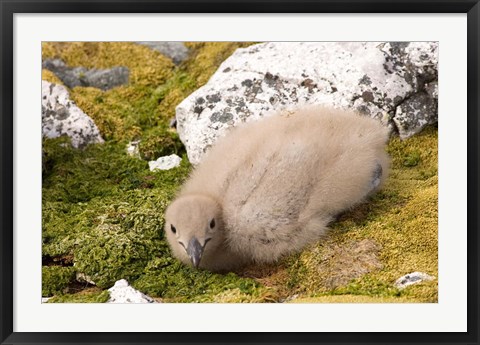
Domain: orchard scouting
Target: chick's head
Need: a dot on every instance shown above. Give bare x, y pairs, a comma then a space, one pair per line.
193, 227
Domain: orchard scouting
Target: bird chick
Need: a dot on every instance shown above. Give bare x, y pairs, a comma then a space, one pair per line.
270, 187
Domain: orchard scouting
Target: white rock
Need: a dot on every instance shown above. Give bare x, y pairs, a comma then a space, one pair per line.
132, 148
372, 77
165, 163
45, 299
122, 292
60, 116
412, 278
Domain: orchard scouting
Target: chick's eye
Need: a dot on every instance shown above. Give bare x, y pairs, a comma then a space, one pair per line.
173, 229
212, 223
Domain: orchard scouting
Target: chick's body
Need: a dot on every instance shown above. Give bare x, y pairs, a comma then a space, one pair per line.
273, 185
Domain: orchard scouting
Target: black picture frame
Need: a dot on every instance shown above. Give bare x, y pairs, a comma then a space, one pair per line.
9, 7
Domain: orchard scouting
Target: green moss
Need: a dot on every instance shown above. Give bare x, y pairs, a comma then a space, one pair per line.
412, 159
367, 286
160, 142
55, 279
112, 111
173, 92
105, 208
167, 278
418, 153
87, 296
424, 292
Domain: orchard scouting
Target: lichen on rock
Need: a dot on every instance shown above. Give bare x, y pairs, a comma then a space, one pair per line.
61, 116
382, 80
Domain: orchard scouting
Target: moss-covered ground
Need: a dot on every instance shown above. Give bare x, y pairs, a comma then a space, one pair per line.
103, 210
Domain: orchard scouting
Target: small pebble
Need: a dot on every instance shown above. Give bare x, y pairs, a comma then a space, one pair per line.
165, 163
132, 148
412, 278
122, 292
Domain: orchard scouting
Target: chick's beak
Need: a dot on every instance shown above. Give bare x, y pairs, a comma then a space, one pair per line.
194, 251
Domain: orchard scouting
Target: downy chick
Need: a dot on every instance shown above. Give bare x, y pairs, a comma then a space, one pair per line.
269, 188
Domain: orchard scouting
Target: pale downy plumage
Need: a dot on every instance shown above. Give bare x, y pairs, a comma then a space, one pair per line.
270, 187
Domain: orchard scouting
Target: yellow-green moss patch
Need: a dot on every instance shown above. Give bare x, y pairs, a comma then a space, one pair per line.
401, 220
147, 66
112, 111
50, 77
121, 113
159, 142
207, 56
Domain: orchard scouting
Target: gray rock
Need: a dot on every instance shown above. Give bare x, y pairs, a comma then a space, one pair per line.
414, 113
60, 116
103, 79
122, 292
174, 50
412, 278
165, 163
374, 78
